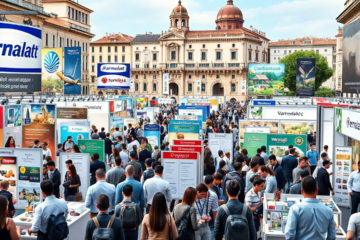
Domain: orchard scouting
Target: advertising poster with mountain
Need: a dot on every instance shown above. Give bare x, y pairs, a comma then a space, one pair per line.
266, 79
305, 77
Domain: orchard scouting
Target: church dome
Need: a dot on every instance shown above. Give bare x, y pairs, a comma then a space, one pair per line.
229, 14
179, 9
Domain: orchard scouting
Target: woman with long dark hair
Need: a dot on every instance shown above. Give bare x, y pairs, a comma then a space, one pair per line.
8, 229
71, 184
187, 205
115, 153
158, 223
209, 167
76, 149
10, 143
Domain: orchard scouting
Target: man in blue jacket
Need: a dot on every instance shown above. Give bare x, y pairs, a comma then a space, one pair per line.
279, 172
288, 164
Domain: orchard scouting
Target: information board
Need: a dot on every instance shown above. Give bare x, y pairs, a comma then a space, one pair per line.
93, 146
221, 141
342, 169
152, 133
187, 142
181, 171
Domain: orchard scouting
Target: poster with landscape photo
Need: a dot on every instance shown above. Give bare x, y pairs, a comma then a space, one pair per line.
305, 77
266, 79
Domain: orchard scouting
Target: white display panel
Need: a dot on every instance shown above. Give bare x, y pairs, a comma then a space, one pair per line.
221, 141
282, 113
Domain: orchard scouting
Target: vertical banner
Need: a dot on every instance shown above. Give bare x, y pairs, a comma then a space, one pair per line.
198, 87
39, 124
72, 70
305, 77
12, 124
181, 170
132, 85
166, 83
2, 126
116, 122
342, 169
78, 130
81, 161
20, 58
52, 70
152, 133
113, 76
183, 132
93, 146
8, 171
243, 88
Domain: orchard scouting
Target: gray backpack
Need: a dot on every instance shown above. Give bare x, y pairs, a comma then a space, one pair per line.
128, 216
236, 225
103, 233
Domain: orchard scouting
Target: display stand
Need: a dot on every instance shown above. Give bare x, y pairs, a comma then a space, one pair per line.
270, 234
77, 224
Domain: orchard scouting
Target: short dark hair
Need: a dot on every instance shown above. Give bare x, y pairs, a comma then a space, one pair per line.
253, 164
326, 162
256, 180
237, 166
167, 143
304, 173
237, 148
102, 129
290, 146
148, 162
220, 152
272, 157
4, 184
312, 144
218, 176
127, 190
159, 169
103, 202
51, 163
47, 187
68, 161
123, 146
233, 188
118, 161
326, 147
108, 134
222, 163
209, 179
302, 159
45, 143
244, 151
69, 137
36, 141
263, 148
308, 184
96, 156
59, 145
202, 188
292, 150
324, 154
258, 150
133, 154
100, 173
205, 141
162, 147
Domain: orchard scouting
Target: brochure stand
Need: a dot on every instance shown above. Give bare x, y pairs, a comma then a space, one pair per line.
276, 212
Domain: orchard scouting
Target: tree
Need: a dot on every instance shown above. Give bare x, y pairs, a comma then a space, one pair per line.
322, 70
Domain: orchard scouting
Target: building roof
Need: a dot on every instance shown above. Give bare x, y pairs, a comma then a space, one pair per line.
223, 33
229, 12
179, 9
57, 22
146, 38
306, 41
115, 38
261, 77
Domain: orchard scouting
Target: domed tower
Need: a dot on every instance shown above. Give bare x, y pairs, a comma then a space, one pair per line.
229, 17
179, 18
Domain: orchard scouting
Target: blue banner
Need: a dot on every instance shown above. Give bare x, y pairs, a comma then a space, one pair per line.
113, 76
116, 122
264, 103
152, 133
72, 70
78, 130
192, 122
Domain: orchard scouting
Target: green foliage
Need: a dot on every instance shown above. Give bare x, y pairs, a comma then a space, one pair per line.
322, 69
325, 92
290, 93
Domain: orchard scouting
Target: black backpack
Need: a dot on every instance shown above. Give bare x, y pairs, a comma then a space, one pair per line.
182, 226
236, 225
128, 216
103, 233
148, 175
57, 228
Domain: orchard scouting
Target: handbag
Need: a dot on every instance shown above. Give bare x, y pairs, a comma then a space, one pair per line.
78, 197
170, 229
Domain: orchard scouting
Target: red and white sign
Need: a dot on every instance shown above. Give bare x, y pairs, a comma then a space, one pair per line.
186, 149
7, 160
188, 142
180, 155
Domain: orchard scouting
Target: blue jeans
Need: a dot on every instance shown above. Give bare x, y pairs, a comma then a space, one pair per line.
257, 224
289, 183
131, 235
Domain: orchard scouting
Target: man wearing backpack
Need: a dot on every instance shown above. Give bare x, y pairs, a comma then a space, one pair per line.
234, 219
149, 172
50, 227
129, 214
235, 175
104, 226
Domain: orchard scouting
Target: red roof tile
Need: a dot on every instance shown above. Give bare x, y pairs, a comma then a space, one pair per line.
304, 41
117, 37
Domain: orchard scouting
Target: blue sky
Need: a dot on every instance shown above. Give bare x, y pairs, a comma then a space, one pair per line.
280, 19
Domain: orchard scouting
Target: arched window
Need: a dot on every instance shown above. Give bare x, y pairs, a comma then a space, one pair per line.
145, 87
176, 22
136, 87
183, 23
154, 87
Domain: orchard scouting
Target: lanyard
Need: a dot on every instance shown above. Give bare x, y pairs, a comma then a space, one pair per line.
202, 208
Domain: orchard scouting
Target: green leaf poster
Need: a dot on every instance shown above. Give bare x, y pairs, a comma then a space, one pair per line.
93, 146
253, 141
277, 144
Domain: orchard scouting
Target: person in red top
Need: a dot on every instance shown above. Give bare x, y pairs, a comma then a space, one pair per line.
10, 143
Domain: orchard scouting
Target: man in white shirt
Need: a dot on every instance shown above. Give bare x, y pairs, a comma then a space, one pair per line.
134, 142
46, 150
156, 184
353, 187
124, 155
326, 149
166, 138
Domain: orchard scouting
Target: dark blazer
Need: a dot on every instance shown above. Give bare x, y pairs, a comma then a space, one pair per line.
56, 180
143, 155
103, 222
102, 135
93, 167
288, 164
324, 184
108, 146
280, 177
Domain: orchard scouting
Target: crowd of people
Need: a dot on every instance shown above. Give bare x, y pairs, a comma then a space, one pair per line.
129, 199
